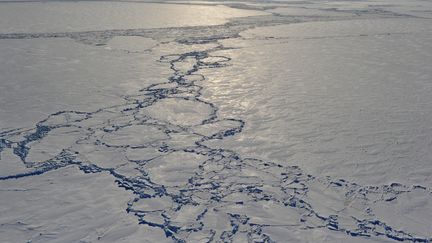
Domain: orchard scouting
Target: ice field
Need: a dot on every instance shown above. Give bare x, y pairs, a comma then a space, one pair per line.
216, 121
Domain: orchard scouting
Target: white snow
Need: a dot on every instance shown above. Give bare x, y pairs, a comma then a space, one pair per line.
285, 121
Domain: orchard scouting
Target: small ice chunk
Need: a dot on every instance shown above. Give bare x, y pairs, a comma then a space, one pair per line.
179, 111
174, 169
134, 135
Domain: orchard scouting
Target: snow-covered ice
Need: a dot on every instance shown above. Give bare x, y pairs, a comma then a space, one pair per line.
275, 121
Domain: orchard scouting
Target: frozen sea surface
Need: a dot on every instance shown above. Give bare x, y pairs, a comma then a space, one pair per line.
285, 121
61, 16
